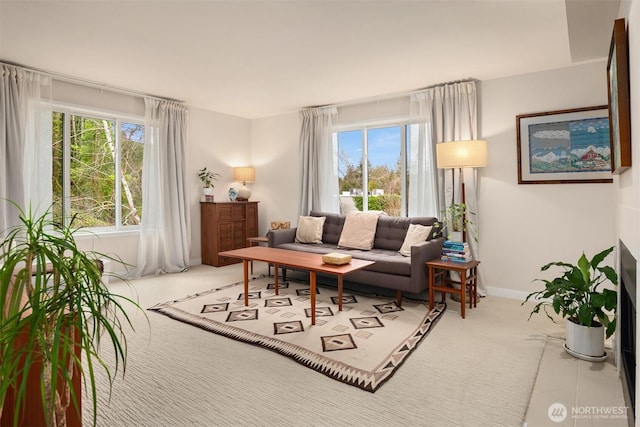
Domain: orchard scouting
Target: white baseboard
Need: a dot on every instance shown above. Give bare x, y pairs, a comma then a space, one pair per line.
507, 293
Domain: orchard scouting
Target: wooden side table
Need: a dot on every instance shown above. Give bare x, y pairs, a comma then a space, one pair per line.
256, 241
438, 268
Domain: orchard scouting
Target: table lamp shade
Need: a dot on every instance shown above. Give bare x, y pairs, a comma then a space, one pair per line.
461, 154
244, 174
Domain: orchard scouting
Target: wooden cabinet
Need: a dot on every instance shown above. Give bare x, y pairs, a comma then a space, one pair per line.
226, 226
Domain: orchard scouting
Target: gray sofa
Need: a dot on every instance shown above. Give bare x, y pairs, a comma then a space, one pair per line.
391, 269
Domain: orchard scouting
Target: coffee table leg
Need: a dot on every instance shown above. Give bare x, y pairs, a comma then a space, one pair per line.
245, 266
312, 289
340, 292
275, 279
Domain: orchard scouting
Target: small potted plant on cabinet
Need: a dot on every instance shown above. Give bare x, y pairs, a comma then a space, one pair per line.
579, 295
207, 177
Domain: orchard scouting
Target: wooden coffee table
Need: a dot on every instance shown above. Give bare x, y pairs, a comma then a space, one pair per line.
294, 259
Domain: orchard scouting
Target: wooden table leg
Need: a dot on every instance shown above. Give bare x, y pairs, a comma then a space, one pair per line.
463, 291
340, 292
474, 287
245, 267
431, 292
313, 296
275, 279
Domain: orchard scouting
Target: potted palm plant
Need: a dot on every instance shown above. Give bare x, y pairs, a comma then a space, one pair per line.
579, 296
55, 310
207, 177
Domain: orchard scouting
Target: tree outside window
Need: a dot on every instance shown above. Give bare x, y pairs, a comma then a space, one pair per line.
371, 168
97, 170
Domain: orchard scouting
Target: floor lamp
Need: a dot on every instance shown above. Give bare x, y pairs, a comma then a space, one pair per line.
459, 155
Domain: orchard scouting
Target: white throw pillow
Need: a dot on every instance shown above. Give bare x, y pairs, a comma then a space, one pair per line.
359, 230
310, 229
415, 234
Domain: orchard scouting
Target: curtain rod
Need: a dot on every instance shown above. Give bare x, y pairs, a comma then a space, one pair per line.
393, 95
89, 83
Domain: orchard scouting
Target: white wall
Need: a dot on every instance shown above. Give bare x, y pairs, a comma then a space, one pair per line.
627, 185
275, 155
523, 227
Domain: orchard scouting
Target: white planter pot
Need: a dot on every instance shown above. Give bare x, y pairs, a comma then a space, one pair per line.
585, 342
207, 191
455, 236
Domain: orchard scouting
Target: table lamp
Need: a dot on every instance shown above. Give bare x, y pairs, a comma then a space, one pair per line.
244, 174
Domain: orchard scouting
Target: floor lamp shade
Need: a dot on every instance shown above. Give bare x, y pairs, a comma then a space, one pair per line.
458, 155
244, 174
461, 154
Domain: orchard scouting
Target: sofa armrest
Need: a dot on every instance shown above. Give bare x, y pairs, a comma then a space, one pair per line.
278, 237
420, 254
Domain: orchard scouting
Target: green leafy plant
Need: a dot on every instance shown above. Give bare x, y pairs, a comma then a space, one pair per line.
207, 177
579, 293
456, 218
55, 309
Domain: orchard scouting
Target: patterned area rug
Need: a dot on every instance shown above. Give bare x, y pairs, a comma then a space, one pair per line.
362, 346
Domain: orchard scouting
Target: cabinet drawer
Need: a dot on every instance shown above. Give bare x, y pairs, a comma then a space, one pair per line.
231, 211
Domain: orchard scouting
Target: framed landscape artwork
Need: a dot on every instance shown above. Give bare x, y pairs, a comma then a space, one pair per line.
618, 86
564, 147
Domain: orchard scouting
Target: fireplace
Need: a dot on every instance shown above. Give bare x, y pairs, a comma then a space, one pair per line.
627, 328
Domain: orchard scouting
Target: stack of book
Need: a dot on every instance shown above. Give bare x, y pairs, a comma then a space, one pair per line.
456, 251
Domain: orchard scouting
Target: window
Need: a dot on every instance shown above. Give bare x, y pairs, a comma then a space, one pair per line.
97, 169
372, 168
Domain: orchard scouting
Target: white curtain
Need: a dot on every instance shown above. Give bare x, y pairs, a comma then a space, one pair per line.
423, 175
25, 143
165, 229
319, 152
447, 112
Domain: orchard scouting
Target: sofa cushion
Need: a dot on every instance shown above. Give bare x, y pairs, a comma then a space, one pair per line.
332, 226
415, 234
310, 229
359, 230
390, 232
428, 220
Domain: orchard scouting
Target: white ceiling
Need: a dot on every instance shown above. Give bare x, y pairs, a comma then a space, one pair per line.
260, 58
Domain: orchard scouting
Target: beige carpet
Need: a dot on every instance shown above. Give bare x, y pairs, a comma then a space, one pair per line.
473, 372
363, 345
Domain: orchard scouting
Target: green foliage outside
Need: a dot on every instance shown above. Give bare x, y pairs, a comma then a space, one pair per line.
389, 203
92, 171
379, 177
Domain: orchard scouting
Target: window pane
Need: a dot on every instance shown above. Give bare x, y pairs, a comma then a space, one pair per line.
350, 170
384, 157
92, 171
58, 166
131, 140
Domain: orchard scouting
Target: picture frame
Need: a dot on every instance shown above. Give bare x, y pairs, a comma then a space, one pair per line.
564, 147
618, 91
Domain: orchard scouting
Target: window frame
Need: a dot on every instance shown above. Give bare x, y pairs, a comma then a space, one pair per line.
403, 123
118, 118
